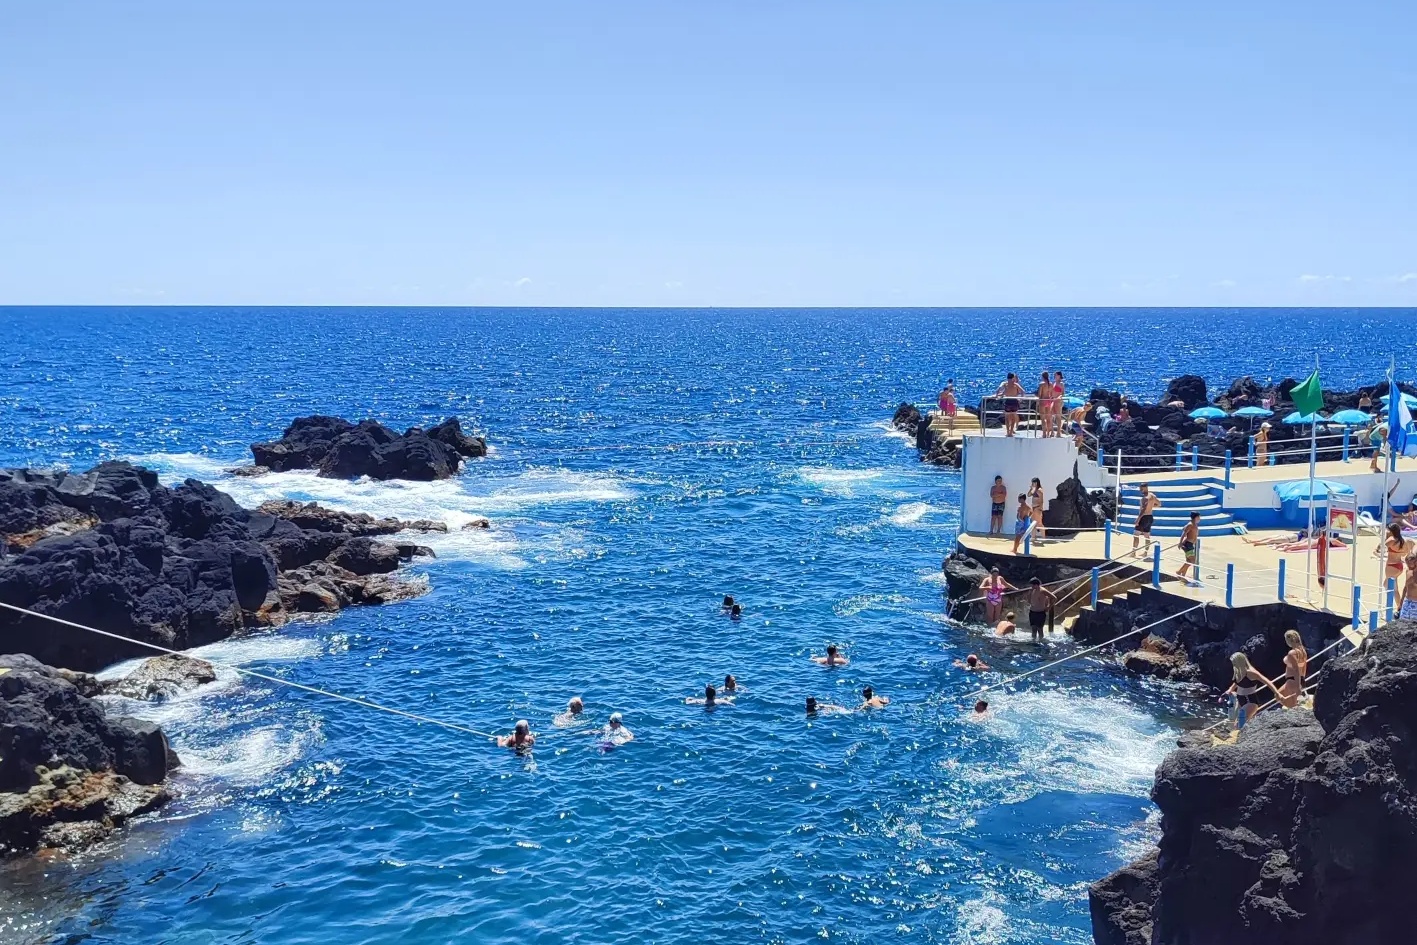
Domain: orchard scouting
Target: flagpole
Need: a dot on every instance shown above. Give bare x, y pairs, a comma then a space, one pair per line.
1313, 461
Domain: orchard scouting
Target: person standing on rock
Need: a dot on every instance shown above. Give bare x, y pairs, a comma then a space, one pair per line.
1011, 390
1035, 501
1141, 528
1262, 445
994, 586
1296, 667
1040, 604
1190, 535
998, 495
1248, 688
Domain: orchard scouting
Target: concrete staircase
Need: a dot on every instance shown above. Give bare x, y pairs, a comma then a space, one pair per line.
1178, 500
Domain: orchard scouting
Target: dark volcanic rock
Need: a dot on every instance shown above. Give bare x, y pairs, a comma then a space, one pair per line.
68, 773
1141, 448
907, 418
342, 450
1302, 832
1072, 508
315, 517
366, 556
1189, 389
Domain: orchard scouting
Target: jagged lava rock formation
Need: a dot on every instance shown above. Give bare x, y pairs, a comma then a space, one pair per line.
338, 449
1304, 832
178, 567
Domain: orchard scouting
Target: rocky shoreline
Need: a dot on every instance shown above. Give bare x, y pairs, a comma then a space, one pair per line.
171, 567
1302, 832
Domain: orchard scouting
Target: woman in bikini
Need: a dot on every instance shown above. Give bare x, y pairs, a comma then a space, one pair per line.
1296, 667
1249, 688
1045, 406
1058, 391
1035, 502
948, 406
1396, 548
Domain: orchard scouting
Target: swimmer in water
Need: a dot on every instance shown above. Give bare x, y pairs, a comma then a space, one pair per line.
833, 658
572, 715
616, 731
822, 708
971, 663
869, 700
981, 709
521, 738
727, 601
730, 684
710, 698
736, 612
1006, 626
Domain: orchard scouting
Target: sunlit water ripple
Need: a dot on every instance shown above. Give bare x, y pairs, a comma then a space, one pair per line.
305, 820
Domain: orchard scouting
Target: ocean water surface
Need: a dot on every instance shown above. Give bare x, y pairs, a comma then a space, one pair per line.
644, 464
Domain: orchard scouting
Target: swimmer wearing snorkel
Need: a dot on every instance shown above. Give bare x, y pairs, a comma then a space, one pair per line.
833, 658
521, 738
971, 663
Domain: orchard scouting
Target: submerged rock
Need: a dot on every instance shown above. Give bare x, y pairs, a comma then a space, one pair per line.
339, 449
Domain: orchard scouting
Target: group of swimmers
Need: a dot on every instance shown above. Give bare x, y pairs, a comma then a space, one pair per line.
615, 733
1041, 602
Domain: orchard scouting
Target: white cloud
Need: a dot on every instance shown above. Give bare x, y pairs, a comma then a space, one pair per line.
1225, 284
1310, 278
1406, 277
522, 282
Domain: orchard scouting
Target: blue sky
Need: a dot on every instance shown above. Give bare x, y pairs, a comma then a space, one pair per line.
711, 153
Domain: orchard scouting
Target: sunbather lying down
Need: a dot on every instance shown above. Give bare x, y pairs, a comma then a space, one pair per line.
1306, 544
1274, 541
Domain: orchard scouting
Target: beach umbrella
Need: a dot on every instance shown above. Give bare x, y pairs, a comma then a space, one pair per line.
1296, 418
1407, 399
1207, 413
1253, 412
1351, 418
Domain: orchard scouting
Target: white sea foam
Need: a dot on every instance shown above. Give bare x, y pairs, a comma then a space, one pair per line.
172, 468
840, 482
251, 759
910, 513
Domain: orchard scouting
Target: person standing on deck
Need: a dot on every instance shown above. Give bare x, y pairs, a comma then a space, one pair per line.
1190, 535
948, 406
1141, 529
1023, 515
1011, 390
1058, 390
1262, 445
1396, 547
1408, 610
998, 495
1035, 501
1045, 406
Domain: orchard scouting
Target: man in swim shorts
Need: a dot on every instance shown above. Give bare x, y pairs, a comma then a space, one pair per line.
1190, 536
1023, 515
1040, 602
1141, 529
998, 495
1011, 390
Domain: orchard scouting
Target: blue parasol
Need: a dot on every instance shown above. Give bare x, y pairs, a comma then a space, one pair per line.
1207, 413
1351, 418
1253, 412
1297, 418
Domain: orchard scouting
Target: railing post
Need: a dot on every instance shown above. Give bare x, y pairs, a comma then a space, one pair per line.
1195, 457
1230, 585
1178, 455
1250, 452
1389, 596
1282, 562
1357, 606
1101, 456
1345, 444
1028, 539
1096, 586
1107, 539
1228, 460
1156, 565
1372, 621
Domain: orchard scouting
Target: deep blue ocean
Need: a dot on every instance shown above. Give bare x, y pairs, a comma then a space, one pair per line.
644, 464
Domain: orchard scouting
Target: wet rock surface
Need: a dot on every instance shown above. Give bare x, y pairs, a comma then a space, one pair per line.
69, 773
177, 567
338, 449
162, 677
1304, 831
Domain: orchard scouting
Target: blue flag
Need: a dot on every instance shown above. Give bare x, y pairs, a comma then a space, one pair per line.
1401, 432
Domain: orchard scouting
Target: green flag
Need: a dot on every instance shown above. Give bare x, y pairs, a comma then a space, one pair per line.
1308, 397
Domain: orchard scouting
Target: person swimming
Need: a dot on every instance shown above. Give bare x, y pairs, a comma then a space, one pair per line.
981, 709
833, 658
727, 601
616, 731
735, 612
971, 663
521, 738
1006, 626
710, 698
730, 684
869, 700
572, 715
822, 708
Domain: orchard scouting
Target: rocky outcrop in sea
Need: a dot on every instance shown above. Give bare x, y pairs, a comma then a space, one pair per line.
339, 449
112, 548
1302, 832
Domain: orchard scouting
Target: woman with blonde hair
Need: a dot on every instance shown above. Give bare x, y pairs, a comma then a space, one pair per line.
1248, 688
1296, 667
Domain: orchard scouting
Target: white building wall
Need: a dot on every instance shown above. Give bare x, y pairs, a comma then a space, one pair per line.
1018, 460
